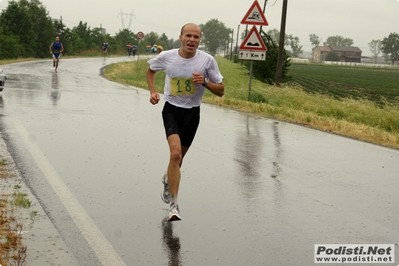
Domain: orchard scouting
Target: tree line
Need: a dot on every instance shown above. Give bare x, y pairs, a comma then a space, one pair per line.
388, 46
27, 30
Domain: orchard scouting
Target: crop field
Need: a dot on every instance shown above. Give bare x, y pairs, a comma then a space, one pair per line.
379, 85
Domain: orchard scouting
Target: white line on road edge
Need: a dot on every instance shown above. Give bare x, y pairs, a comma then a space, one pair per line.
103, 249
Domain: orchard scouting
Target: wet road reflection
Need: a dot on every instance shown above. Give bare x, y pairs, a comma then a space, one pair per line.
171, 243
277, 153
55, 92
247, 150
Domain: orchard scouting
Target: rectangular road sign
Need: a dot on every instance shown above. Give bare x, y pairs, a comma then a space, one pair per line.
252, 55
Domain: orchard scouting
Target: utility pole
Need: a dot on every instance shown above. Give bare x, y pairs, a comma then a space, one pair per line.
62, 32
280, 58
130, 21
264, 10
238, 32
231, 46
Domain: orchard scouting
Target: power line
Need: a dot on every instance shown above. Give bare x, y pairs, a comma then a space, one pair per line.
122, 14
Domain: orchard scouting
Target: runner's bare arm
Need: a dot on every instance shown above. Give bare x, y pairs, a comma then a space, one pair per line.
51, 46
215, 88
62, 48
154, 95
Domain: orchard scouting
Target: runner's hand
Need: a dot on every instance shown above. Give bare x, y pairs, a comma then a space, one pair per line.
198, 78
154, 99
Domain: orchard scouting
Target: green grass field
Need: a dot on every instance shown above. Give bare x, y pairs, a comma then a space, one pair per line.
379, 85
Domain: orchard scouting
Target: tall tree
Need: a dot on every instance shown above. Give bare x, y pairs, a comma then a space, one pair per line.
275, 35
124, 37
314, 40
338, 41
152, 38
59, 27
296, 48
390, 46
84, 33
214, 35
10, 46
30, 23
97, 38
375, 48
42, 26
16, 21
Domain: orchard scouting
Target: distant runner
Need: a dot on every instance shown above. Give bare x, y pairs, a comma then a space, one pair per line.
105, 48
56, 49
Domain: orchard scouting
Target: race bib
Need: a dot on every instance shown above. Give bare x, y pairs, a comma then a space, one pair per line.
182, 86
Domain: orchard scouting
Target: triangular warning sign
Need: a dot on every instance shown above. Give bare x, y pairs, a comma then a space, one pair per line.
255, 16
253, 41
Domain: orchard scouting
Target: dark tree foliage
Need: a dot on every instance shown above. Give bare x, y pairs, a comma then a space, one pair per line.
390, 46
214, 35
332, 56
266, 70
29, 23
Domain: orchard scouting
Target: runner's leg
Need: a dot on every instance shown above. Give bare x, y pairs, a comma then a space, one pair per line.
175, 160
56, 64
184, 150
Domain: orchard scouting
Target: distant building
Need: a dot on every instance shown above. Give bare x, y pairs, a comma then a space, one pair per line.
345, 54
320, 53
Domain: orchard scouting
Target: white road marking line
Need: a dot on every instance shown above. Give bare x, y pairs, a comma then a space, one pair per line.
103, 249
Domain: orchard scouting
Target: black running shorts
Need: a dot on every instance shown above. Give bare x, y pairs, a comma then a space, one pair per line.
181, 121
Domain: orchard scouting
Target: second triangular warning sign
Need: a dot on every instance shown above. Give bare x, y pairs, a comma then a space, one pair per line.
253, 41
255, 16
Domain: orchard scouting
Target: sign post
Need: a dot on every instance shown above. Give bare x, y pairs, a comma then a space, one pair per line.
253, 47
140, 36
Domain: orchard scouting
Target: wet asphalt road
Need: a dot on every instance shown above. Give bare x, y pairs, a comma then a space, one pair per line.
254, 191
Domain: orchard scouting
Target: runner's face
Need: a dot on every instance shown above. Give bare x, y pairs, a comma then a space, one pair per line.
190, 40
57, 39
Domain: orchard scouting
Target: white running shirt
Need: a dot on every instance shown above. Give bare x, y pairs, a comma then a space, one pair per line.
179, 89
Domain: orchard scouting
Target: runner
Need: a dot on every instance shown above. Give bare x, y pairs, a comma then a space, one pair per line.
56, 48
105, 47
188, 73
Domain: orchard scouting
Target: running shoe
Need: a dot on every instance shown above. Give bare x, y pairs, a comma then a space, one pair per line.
174, 213
165, 195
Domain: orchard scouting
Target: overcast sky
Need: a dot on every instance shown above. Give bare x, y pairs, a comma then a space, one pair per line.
360, 20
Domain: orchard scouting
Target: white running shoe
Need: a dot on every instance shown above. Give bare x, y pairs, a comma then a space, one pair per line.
165, 195
174, 213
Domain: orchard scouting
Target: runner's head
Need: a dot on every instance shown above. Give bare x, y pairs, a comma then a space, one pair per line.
57, 39
190, 37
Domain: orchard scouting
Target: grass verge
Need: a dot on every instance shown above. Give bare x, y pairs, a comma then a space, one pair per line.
360, 119
12, 61
12, 250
